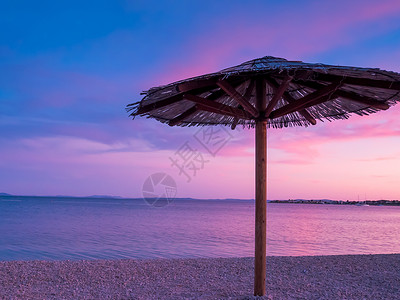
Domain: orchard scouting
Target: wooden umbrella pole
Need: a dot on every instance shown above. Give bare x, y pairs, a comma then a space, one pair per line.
260, 209
261, 191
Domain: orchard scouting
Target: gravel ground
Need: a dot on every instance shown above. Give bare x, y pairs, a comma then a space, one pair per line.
308, 277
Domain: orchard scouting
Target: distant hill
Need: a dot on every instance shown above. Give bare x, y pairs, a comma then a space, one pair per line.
67, 196
104, 196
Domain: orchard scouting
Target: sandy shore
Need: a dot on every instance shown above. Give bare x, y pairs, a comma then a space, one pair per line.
310, 277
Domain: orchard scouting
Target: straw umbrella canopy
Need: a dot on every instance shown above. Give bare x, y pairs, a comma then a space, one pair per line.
269, 92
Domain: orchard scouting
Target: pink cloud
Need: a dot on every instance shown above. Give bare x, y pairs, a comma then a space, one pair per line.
380, 158
73, 166
389, 61
379, 125
299, 161
235, 38
372, 10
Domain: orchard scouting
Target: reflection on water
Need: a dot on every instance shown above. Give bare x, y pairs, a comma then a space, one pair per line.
61, 228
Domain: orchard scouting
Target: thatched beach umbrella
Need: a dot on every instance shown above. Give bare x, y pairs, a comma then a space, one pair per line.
270, 92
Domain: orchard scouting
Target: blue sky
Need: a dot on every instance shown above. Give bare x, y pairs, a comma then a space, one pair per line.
68, 68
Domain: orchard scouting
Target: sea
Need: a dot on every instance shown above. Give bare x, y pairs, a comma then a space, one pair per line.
62, 228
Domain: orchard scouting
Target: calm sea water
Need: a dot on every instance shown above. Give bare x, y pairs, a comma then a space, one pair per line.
87, 228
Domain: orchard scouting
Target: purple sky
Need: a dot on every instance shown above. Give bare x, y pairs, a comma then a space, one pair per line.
68, 68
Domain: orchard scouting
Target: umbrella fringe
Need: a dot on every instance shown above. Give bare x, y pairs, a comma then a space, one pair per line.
133, 109
282, 122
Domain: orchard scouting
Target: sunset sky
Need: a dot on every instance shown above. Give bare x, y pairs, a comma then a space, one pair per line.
69, 68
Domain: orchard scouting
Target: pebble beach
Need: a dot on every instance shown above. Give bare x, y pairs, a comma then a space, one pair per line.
307, 277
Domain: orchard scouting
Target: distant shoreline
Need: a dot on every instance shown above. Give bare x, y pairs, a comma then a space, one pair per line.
341, 202
6, 196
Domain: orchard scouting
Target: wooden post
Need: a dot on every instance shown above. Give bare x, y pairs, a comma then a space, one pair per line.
261, 209
261, 194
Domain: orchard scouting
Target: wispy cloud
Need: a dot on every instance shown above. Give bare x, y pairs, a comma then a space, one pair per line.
379, 159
